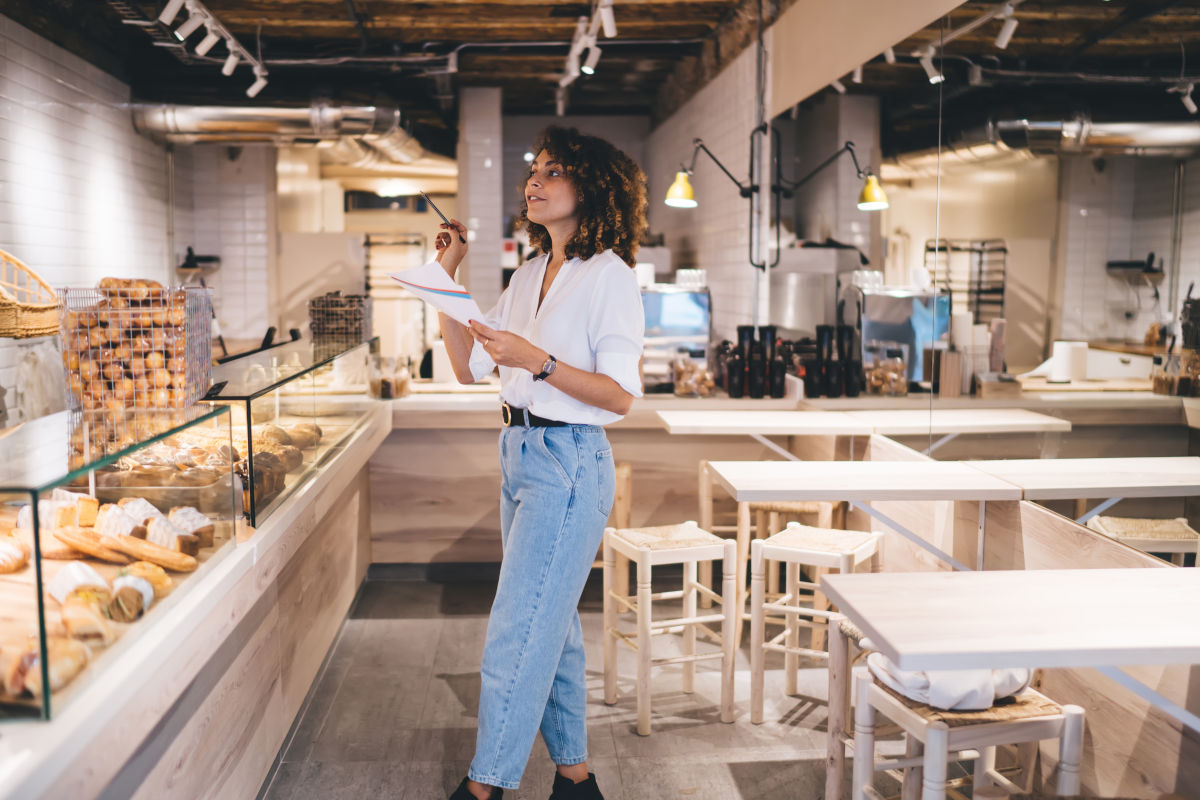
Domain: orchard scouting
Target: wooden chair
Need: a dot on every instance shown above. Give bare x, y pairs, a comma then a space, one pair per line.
685, 544
935, 737
1172, 536
796, 546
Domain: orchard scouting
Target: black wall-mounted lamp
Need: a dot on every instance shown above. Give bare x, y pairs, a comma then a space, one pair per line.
871, 198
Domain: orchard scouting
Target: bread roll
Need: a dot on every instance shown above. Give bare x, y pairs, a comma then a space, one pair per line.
155, 575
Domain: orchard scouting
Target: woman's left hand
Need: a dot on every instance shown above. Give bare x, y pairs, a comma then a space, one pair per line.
508, 349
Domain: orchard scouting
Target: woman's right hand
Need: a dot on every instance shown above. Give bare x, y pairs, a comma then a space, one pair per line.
450, 246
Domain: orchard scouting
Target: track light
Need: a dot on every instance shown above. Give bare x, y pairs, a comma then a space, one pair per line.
1186, 97
856, 76
931, 71
170, 11
567, 79
607, 20
261, 75
1008, 28
589, 66
889, 55
230, 63
528, 157
207, 43
838, 86
189, 27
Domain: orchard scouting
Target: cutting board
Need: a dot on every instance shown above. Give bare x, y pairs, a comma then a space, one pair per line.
1040, 384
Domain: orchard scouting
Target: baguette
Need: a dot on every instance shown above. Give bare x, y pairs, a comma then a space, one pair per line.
142, 550
88, 542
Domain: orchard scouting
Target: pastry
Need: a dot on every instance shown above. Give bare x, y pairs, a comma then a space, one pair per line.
14, 555
153, 574
51, 515
196, 476
162, 532
189, 520
149, 551
74, 576
86, 506
131, 596
304, 435
271, 433
290, 455
89, 542
112, 520
66, 658
85, 614
140, 509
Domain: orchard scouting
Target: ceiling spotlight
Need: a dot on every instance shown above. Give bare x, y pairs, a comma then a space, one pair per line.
528, 157
207, 43
856, 76
230, 63
838, 86
607, 20
261, 81
1008, 28
589, 66
931, 71
188, 28
170, 11
889, 55
1189, 103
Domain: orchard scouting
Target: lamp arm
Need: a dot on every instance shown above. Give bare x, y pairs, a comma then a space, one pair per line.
744, 190
848, 147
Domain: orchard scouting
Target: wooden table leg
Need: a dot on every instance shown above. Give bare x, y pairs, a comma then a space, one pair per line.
704, 494
743, 559
839, 702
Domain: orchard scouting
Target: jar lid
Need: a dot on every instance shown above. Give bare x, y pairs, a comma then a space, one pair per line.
894, 352
1158, 359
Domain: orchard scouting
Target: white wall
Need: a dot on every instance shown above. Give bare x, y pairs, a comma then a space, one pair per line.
714, 236
81, 195
1015, 201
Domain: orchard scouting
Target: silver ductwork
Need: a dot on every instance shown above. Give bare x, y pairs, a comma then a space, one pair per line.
1022, 139
369, 137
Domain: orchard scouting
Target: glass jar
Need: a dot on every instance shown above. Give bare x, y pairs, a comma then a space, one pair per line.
691, 375
1158, 377
895, 378
1187, 368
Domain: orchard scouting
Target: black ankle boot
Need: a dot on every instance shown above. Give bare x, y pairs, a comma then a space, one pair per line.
567, 789
463, 793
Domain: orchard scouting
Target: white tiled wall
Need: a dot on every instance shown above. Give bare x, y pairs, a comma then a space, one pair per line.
81, 195
480, 189
1121, 209
714, 236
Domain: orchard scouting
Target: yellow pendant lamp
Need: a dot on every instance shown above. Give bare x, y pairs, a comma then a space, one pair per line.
680, 195
872, 197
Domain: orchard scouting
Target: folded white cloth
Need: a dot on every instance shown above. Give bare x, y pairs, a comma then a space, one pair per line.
950, 690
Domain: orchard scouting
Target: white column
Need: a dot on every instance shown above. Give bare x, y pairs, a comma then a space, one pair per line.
480, 189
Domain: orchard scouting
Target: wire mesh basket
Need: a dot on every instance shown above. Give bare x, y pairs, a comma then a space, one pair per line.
339, 321
136, 345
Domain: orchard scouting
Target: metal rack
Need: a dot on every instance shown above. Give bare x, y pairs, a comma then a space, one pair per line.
973, 271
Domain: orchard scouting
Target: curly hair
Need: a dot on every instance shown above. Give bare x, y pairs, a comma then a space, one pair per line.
610, 189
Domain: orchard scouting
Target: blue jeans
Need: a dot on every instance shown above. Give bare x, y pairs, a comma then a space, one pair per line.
556, 495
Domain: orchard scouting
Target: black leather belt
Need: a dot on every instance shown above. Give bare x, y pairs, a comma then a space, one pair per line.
511, 415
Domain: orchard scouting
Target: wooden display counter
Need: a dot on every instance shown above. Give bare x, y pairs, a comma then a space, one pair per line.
200, 704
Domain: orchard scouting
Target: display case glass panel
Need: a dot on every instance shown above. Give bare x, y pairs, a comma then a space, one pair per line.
292, 407
109, 518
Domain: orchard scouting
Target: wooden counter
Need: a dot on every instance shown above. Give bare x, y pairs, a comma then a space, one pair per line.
200, 704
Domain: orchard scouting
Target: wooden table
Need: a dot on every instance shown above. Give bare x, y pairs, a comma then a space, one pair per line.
1036, 618
949, 423
1112, 478
858, 483
760, 424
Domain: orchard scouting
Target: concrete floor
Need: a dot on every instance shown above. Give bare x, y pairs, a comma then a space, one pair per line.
393, 714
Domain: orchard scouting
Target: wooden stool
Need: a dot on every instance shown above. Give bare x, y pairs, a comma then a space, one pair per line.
933, 737
1172, 536
685, 544
796, 545
622, 512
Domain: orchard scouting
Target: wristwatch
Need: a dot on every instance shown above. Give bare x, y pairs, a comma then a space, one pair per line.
547, 369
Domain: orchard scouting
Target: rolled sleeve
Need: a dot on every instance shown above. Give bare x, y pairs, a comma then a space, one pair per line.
617, 327
480, 362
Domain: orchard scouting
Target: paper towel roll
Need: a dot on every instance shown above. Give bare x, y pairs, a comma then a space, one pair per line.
1068, 362
961, 323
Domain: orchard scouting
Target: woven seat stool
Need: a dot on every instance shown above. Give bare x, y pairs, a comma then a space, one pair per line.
796, 545
935, 737
1173, 536
687, 544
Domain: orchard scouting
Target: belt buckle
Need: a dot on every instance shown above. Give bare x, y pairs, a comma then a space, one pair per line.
506, 414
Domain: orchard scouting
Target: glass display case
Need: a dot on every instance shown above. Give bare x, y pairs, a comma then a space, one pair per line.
292, 406
107, 519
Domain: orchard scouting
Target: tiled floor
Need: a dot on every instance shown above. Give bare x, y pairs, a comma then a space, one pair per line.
393, 715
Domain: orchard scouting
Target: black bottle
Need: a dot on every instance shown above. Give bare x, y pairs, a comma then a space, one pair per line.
853, 378
833, 379
745, 336
735, 376
825, 343
766, 335
756, 374
812, 377
778, 380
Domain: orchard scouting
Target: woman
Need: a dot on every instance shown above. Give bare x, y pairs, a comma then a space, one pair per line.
567, 336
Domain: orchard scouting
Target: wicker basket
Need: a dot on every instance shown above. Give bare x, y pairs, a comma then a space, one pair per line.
28, 306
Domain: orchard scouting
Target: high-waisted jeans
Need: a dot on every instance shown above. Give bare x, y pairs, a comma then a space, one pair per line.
555, 497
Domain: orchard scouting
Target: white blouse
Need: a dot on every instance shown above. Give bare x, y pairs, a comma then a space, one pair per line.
591, 318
